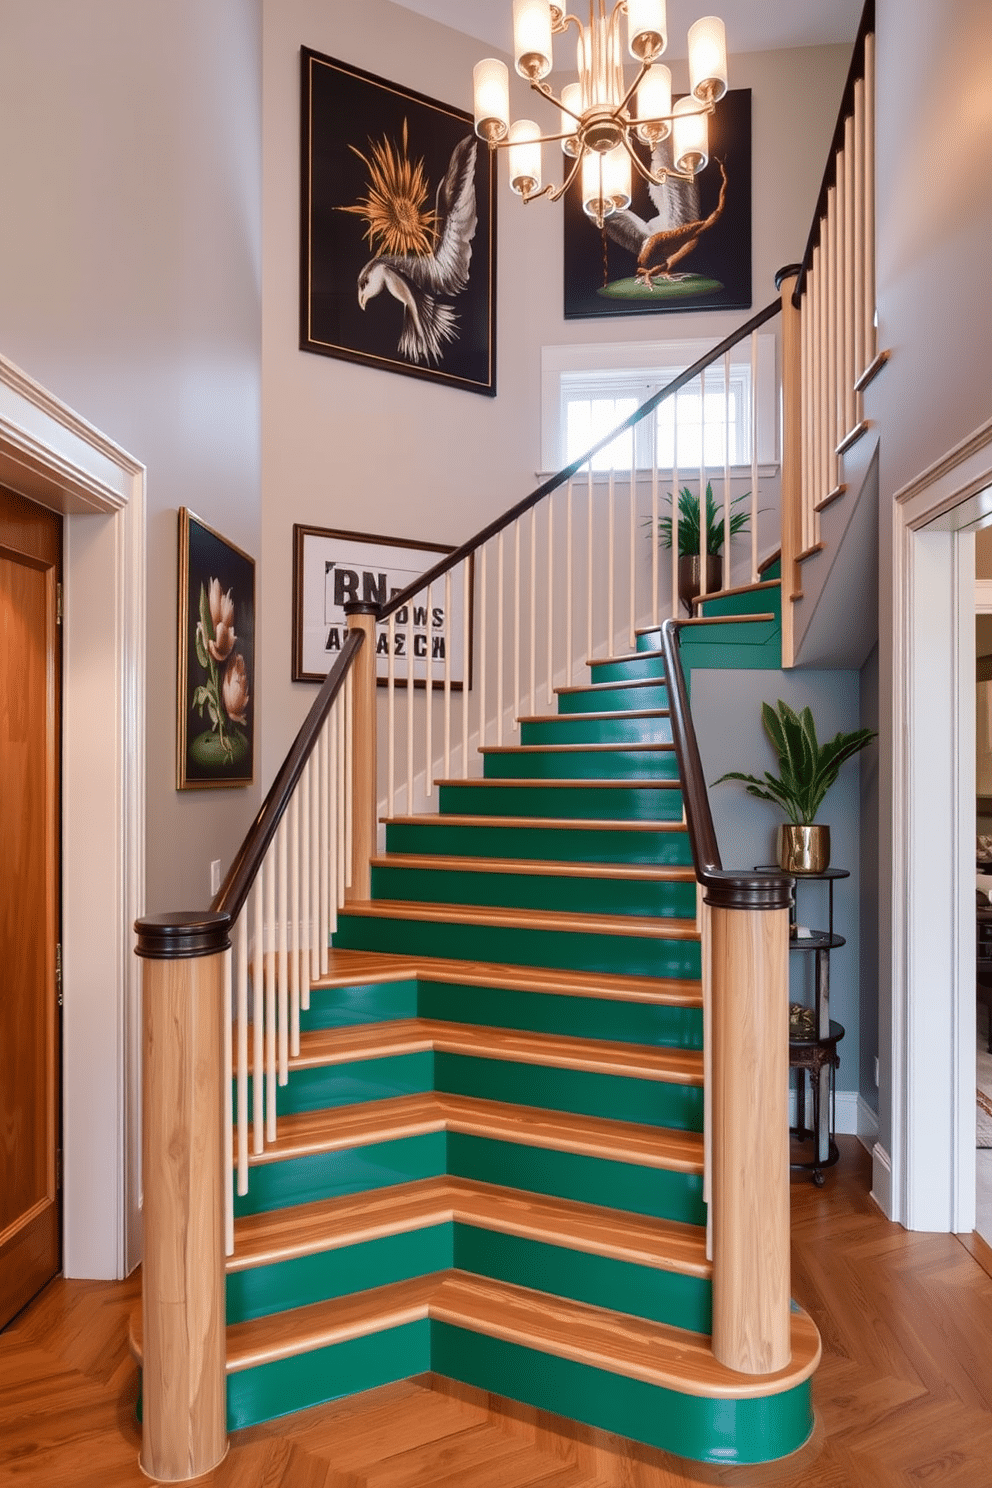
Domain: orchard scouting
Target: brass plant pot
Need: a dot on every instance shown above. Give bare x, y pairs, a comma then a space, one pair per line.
689, 571
803, 849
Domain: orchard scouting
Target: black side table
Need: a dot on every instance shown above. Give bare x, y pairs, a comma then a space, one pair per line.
819, 1056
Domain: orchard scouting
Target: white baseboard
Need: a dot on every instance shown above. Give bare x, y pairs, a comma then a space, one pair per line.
854, 1117
881, 1179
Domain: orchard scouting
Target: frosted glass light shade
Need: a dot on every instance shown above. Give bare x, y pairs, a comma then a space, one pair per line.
616, 178
654, 101
532, 38
690, 136
571, 96
647, 29
593, 202
708, 59
491, 88
525, 157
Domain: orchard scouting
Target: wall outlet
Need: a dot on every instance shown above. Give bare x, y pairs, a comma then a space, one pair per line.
215, 875
876, 1071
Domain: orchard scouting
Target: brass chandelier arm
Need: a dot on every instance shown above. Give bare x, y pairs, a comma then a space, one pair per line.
649, 175
555, 193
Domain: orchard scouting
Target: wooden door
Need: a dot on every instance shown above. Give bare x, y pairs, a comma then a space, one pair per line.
30, 572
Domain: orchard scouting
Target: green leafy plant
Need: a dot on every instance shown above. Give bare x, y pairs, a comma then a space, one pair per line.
689, 522
807, 769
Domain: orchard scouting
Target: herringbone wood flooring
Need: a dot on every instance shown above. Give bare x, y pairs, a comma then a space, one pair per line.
903, 1396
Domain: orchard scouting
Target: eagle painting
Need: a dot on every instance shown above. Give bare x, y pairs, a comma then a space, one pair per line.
425, 252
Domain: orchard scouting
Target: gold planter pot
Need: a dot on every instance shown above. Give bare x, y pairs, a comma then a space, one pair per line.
803, 849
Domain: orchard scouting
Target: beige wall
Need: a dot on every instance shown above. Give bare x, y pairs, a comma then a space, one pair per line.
130, 285
352, 447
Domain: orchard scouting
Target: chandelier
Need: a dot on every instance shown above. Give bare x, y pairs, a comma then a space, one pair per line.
602, 114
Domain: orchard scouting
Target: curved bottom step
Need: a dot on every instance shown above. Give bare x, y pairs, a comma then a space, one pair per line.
646, 1381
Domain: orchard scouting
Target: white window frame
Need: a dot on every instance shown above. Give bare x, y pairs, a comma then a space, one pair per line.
617, 368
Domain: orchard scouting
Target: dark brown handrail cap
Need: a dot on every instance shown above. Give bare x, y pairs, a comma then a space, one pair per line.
790, 271
360, 607
182, 935
747, 891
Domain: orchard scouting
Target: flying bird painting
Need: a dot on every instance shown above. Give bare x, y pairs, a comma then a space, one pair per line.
434, 269
398, 230
680, 245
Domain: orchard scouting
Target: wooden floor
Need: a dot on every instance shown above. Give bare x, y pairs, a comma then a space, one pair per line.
903, 1396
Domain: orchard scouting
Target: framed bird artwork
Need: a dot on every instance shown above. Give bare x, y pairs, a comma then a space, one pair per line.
682, 245
398, 231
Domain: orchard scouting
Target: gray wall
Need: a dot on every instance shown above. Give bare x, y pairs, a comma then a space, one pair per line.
726, 710
130, 286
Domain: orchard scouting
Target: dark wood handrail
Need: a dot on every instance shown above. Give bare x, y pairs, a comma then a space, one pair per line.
231, 896
499, 524
728, 889
854, 72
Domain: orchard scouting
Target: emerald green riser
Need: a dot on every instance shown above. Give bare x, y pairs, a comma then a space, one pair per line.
630, 955
757, 602
576, 803
584, 1092
722, 1431
563, 1175
581, 895
435, 835
749, 651
581, 728
629, 668
721, 639
578, 764
612, 699
620, 1286
657, 1024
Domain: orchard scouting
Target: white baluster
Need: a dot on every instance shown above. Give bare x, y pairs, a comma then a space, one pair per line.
348, 746
335, 855
282, 983
428, 700
632, 576
316, 853
754, 459
610, 545
727, 504
871, 334
323, 846
860, 361
228, 1106
294, 923
569, 540
655, 604
258, 1016
675, 507
446, 636
499, 638
551, 593
466, 655
515, 721
241, 989
306, 854
339, 784
533, 609
704, 543
590, 593
269, 880
410, 690
391, 714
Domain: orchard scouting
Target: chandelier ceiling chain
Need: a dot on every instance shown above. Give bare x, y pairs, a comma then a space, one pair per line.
601, 115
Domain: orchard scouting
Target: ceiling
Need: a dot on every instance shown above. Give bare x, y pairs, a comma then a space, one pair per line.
752, 25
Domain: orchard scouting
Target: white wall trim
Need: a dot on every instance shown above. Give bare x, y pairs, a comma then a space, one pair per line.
52, 456
881, 1179
932, 1167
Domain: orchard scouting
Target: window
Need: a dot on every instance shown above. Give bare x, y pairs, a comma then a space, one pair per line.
582, 403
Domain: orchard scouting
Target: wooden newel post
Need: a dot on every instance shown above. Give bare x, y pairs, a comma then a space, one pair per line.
792, 475
365, 787
750, 1103
184, 1406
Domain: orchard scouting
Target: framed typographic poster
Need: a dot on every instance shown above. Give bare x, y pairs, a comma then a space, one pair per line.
398, 230
333, 568
679, 246
215, 735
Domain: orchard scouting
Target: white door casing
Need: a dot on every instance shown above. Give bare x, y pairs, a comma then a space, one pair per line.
53, 457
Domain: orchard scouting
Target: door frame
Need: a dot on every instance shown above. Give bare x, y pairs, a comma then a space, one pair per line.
929, 1177
55, 458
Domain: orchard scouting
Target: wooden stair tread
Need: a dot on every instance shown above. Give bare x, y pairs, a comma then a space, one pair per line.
347, 968
657, 1353
341, 1127
637, 713
634, 747
538, 867
572, 922
708, 619
542, 823
352, 1219
598, 783
602, 686
701, 599
329, 1046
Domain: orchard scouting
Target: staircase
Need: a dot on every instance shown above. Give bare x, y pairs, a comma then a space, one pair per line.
489, 1161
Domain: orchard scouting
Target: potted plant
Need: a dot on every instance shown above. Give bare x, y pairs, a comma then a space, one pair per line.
807, 770
689, 544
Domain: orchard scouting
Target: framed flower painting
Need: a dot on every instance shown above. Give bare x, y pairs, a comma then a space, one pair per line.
215, 736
